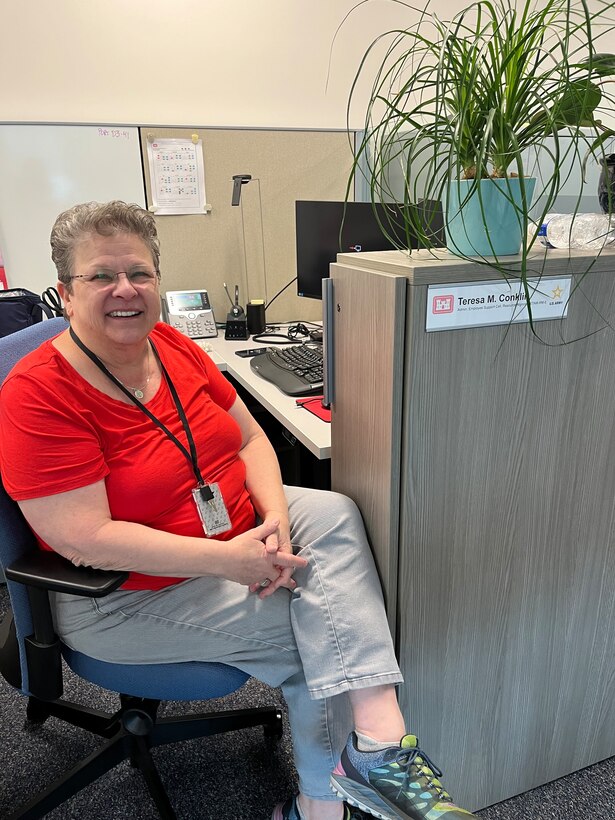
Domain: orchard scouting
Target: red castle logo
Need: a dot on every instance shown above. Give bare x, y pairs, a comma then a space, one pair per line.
443, 304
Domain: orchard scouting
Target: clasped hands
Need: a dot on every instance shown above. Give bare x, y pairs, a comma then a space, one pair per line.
266, 554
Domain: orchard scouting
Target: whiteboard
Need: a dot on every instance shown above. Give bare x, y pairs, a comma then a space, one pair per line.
45, 169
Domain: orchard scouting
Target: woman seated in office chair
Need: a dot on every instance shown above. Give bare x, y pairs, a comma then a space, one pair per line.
127, 449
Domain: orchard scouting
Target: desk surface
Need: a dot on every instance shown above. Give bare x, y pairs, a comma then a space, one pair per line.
311, 431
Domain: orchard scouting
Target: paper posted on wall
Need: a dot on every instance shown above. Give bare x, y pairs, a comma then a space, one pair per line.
177, 176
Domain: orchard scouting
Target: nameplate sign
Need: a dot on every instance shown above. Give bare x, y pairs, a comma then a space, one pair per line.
497, 302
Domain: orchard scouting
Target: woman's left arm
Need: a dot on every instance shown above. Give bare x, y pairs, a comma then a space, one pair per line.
264, 483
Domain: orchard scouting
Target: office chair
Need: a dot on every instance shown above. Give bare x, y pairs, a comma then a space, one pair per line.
31, 656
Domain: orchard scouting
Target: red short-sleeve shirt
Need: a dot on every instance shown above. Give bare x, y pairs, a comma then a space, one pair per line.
58, 433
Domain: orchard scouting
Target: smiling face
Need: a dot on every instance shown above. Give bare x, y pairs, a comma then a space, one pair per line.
116, 319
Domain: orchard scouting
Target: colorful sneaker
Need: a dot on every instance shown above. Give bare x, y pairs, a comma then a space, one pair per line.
399, 782
288, 811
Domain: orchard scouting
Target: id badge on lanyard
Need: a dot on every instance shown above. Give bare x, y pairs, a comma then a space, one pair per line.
212, 509
207, 497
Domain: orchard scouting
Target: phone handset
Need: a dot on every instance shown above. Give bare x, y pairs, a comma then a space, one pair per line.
236, 309
236, 327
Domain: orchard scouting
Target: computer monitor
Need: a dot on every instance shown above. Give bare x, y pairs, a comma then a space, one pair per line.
318, 235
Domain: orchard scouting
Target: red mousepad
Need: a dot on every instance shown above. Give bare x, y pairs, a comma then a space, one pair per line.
314, 405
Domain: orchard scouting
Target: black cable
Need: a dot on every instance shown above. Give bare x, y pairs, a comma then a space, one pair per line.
273, 298
292, 335
272, 338
295, 330
304, 322
298, 329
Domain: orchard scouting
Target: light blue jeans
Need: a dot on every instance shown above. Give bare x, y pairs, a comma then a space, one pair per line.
329, 636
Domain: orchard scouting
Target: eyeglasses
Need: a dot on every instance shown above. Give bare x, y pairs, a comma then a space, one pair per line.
104, 278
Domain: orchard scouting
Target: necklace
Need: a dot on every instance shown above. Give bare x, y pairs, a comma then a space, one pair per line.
139, 392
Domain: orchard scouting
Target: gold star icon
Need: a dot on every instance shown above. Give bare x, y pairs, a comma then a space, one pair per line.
557, 292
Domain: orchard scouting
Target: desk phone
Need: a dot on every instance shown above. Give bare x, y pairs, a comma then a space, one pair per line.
190, 312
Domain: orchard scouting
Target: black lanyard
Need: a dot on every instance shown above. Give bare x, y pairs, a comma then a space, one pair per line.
192, 455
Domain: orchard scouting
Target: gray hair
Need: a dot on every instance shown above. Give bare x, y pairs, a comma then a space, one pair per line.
105, 219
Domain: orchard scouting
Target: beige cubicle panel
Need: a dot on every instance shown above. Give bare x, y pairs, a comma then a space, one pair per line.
505, 540
252, 244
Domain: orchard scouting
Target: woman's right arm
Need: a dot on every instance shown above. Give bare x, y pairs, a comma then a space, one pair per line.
78, 525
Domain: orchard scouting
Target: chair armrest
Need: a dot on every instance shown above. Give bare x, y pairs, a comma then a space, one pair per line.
51, 571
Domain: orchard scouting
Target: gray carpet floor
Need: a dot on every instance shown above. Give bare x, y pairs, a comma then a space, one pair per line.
230, 777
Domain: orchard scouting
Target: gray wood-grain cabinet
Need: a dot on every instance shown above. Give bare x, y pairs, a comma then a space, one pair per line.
483, 461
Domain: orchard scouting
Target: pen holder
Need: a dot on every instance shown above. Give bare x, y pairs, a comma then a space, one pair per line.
256, 317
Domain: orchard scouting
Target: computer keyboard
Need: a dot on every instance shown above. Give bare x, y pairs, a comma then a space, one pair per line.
297, 371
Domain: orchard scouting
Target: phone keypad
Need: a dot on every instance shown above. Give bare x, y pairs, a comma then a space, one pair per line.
196, 325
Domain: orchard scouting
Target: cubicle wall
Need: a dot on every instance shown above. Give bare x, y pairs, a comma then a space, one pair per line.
237, 245
46, 168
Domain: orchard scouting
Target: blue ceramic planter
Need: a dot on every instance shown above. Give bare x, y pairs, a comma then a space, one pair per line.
489, 224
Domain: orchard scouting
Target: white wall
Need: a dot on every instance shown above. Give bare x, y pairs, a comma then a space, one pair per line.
186, 62
47, 168
259, 63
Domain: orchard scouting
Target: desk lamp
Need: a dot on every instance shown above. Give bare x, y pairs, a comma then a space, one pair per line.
255, 307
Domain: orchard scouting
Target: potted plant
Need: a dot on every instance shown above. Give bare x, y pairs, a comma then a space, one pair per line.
481, 112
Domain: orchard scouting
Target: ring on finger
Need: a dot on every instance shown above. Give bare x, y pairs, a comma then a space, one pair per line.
265, 582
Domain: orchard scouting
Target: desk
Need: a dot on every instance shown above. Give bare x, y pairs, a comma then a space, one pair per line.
311, 431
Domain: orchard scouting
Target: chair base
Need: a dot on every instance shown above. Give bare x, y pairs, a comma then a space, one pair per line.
131, 733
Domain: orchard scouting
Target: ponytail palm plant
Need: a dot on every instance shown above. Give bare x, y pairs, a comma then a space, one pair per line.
502, 91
